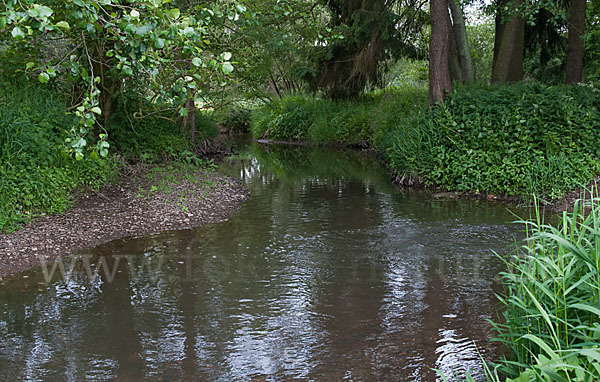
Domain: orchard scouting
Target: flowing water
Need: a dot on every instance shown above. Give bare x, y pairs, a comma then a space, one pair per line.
327, 273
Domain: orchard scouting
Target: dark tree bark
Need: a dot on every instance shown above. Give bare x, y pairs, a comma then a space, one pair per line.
575, 51
509, 48
439, 73
462, 43
189, 121
456, 74
499, 31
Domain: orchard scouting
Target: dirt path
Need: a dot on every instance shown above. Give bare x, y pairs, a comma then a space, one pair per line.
156, 199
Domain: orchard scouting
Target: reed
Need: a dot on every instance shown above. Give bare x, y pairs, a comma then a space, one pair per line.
551, 301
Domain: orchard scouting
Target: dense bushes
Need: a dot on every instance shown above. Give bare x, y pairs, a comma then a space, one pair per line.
156, 137
34, 176
517, 139
238, 119
520, 139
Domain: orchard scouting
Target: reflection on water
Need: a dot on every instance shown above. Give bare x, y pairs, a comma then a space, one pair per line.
326, 273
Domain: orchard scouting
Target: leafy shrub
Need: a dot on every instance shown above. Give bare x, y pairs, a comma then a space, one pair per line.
238, 120
152, 138
206, 126
35, 177
518, 139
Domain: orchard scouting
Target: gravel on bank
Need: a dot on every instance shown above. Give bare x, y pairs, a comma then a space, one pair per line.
153, 200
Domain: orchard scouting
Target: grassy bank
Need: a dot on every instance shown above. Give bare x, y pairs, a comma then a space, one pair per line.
36, 177
525, 139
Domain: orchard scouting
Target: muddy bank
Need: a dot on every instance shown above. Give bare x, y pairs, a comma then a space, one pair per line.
147, 201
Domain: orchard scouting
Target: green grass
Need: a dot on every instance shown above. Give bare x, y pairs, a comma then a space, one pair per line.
550, 322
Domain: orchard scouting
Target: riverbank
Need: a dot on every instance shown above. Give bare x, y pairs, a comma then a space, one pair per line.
147, 200
524, 141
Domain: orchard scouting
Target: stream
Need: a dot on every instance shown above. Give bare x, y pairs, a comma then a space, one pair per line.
327, 273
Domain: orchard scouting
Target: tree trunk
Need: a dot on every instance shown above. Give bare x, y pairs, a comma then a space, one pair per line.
499, 31
189, 121
439, 74
575, 52
462, 43
508, 65
456, 74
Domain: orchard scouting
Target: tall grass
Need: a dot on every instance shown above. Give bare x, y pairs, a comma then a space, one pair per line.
551, 319
550, 324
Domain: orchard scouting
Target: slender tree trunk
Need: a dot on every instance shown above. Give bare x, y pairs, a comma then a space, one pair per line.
439, 74
275, 86
575, 51
508, 65
189, 121
462, 43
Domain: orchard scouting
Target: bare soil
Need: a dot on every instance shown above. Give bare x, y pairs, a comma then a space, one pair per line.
145, 201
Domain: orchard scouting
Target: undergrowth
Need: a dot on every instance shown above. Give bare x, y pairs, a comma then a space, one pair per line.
525, 139
35, 177
157, 137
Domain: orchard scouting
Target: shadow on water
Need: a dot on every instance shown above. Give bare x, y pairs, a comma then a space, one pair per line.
326, 273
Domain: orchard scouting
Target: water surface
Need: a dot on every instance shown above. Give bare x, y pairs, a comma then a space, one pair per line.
327, 273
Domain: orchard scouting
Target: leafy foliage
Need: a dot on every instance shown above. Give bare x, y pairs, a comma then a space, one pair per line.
104, 45
519, 140
525, 139
238, 119
35, 176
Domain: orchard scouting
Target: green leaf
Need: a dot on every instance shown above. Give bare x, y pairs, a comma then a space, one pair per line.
159, 43
196, 61
44, 77
96, 110
63, 25
174, 13
227, 68
143, 30
43, 11
135, 14
17, 33
79, 143
226, 56
127, 70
